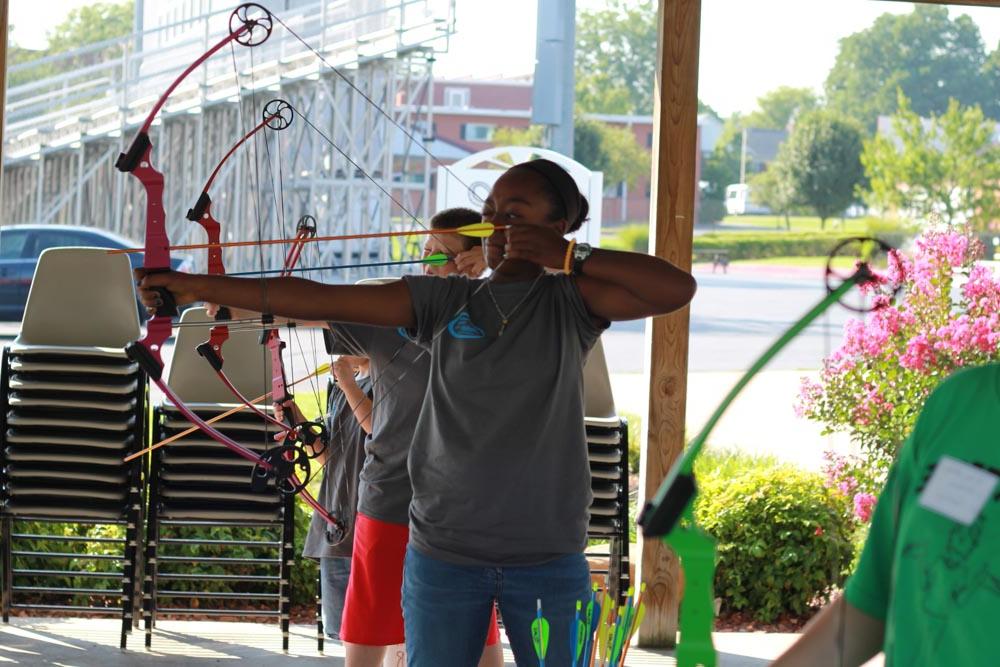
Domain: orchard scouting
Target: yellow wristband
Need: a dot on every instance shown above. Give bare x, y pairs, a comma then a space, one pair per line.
568, 261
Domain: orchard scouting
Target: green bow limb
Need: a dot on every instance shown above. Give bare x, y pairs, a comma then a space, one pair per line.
670, 514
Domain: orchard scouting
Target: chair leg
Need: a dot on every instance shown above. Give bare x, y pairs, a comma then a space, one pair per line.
320, 636
287, 561
149, 578
6, 526
128, 573
6, 533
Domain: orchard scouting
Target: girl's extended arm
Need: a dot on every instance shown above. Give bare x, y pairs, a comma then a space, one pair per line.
295, 298
615, 285
619, 285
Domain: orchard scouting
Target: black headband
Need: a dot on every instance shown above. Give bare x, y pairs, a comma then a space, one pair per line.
561, 182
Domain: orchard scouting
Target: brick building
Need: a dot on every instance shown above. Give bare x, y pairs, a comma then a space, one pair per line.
466, 113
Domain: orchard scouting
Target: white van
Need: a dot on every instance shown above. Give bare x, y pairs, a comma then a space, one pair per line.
739, 201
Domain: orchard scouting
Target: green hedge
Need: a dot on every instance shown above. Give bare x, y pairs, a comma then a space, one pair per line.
753, 245
784, 542
746, 245
304, 571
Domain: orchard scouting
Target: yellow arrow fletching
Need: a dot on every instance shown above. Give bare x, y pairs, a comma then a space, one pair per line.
479, 230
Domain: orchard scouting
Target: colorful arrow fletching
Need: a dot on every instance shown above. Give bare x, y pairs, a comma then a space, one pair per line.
480, 230
437, 259
574, 634
540, 636
581, 639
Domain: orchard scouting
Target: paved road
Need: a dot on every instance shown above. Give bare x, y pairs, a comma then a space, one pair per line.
733, 319
735, 316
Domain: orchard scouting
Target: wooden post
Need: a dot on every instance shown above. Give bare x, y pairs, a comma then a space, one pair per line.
672, 207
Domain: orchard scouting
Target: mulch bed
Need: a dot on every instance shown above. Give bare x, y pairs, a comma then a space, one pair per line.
741, 622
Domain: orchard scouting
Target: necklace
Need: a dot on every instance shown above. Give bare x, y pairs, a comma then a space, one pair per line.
505, 317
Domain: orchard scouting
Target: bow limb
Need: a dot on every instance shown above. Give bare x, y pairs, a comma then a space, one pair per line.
306, 229
247, 23
277, 116
670, 514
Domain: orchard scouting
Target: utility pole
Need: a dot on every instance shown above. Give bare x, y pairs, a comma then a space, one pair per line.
743, 158
553, 92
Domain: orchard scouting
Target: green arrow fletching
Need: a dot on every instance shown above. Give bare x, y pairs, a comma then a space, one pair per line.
437, 259
540, 636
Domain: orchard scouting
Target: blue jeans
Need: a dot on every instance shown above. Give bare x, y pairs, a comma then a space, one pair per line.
446, 608
334, 574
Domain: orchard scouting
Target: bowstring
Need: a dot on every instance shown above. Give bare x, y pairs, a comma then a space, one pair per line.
423, 350
379, 109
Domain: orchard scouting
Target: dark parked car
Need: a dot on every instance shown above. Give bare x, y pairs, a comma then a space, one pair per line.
20, 246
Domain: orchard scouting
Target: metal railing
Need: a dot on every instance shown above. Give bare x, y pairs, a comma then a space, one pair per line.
103, 89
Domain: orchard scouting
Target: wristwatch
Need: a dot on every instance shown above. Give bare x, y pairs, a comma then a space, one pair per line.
581, 251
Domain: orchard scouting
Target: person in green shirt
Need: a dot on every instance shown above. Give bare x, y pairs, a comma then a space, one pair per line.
927, 587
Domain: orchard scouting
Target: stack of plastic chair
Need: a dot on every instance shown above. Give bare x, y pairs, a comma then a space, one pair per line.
197, 485
607, 446
73, 407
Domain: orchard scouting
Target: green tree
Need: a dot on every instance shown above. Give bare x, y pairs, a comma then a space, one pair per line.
773, 188
611, 149
616, 58
991, 74
83, 26
722, 166
92, 23
946, 166
596, 145
775, 109
820, 164
533, 135
930, 56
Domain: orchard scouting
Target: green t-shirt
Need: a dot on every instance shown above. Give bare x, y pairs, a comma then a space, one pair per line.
935, 581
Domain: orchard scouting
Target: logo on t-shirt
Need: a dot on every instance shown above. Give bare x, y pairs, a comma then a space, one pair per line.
462, 328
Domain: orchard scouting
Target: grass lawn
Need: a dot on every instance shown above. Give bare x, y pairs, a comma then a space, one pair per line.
819, 262
311, 403
799, 223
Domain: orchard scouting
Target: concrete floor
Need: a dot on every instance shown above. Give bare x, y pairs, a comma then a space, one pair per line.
78, 642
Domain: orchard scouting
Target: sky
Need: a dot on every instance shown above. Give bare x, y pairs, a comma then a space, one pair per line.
747, 48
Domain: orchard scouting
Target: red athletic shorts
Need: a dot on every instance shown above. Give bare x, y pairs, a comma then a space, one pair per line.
373, 608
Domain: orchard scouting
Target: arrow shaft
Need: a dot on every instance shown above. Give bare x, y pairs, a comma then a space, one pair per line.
269, 242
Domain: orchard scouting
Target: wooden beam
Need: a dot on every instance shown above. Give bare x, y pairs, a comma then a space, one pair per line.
672, 207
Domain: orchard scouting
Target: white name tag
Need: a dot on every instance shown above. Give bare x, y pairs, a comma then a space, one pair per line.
958, 490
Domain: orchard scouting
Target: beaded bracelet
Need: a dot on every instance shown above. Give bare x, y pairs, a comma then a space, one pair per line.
568, 261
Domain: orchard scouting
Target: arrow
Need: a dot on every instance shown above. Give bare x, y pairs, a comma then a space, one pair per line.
479, 230
640, 612
540, 635
576, 635
593, 615
437, 259
603, 627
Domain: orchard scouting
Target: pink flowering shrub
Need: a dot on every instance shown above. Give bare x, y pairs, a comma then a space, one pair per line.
875, 384
855, 482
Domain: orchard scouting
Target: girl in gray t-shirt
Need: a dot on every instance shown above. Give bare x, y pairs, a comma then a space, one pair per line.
498, 461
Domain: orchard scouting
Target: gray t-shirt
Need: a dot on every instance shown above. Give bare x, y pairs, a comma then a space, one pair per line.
339, 489
399, 371
499, 458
